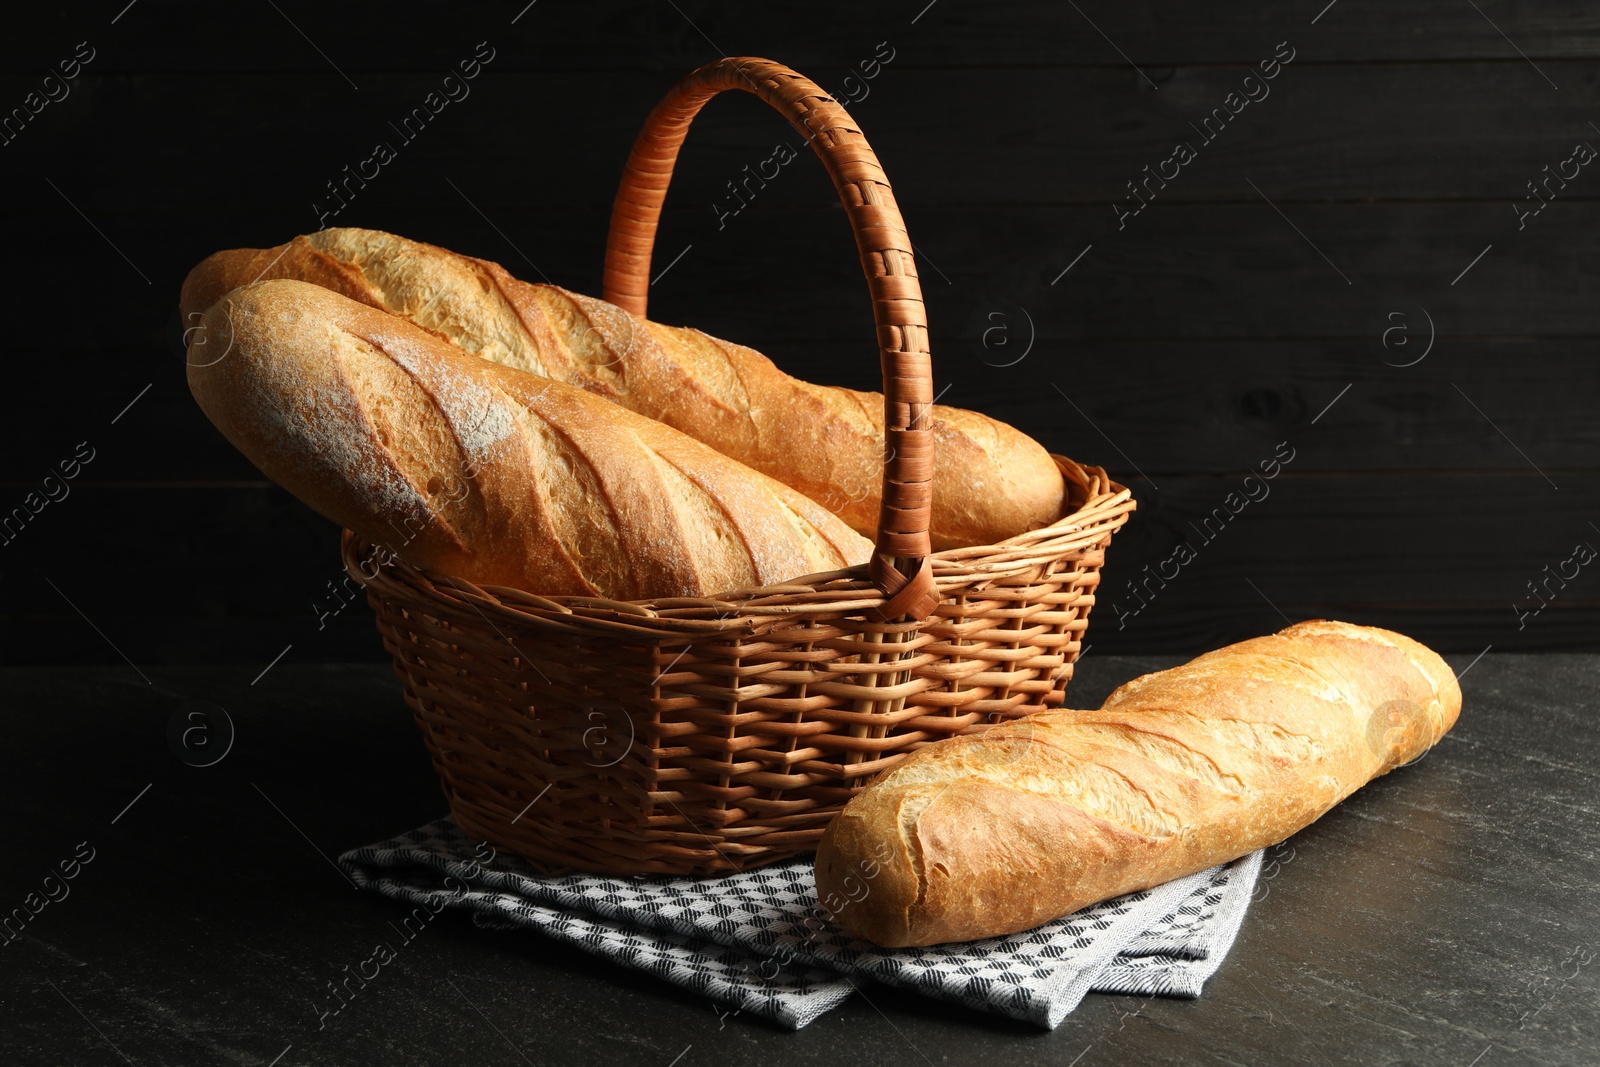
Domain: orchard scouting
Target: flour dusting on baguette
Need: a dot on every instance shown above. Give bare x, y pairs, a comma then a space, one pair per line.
489, 473
992, 481
1180, 770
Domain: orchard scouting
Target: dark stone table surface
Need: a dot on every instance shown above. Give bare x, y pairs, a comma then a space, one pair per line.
1446, 914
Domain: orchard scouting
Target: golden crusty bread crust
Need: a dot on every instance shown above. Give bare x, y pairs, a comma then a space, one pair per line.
991, 481
994, 833
486, 472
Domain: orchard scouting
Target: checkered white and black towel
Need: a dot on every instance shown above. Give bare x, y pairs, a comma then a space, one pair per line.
751, 941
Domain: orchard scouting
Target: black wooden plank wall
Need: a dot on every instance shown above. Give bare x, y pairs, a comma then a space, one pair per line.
1371, 259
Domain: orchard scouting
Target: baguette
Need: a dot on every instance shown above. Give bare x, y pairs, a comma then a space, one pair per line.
988, 834
992, 481
485, 472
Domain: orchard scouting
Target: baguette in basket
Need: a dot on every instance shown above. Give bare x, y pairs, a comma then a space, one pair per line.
994, 482
486, 472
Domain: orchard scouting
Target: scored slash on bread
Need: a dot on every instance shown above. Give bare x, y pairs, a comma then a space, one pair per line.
991, 481
486, 472
994, 833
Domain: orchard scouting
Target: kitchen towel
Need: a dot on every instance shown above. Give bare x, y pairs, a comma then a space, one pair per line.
756, 942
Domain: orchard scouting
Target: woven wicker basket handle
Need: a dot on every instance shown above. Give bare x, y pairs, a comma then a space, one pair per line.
900, 565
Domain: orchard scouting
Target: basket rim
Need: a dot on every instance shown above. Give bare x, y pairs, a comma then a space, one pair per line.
838, 594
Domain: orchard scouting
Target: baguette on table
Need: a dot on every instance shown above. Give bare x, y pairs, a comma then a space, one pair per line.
485, 472
992, 481
989, 834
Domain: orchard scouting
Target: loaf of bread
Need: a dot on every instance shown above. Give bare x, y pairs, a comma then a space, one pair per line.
994, 833
486, 472
991, 481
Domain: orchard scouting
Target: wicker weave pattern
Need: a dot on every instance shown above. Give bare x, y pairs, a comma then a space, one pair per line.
702, 736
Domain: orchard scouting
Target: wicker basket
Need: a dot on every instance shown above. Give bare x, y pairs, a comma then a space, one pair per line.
702, 736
